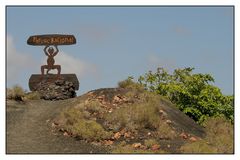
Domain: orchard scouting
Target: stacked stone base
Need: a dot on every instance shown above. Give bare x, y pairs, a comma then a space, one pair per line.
52, 87
56, 90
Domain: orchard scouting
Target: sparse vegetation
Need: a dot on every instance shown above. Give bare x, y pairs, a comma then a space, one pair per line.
194, 94
32, 96
125, 148
93, 106
150, 142
16, 93
219, 138
220, 134
130, 84
141, 116
74, 122
125, 122
198, 147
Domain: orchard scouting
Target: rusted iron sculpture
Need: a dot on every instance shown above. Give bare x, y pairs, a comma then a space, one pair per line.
51, 42
50, 61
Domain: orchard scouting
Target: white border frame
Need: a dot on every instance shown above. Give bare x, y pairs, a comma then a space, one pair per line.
119, 2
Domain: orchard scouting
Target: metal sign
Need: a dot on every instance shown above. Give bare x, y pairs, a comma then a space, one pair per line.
51, 39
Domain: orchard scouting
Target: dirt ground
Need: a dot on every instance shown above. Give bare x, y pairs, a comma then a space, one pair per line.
29, 131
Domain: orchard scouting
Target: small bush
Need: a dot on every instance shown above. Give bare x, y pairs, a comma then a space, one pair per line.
89, 130
75, 123
32, 96
93, 106
130, 84
16, 93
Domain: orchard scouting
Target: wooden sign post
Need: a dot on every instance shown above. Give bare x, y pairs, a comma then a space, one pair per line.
51, 41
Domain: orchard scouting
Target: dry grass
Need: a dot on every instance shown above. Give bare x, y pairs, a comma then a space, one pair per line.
164, 131
94, 106
74, 122
135, 117
124, 148
16, 93
150, 142
32, 96
219, 138
220, 134
141, 116
198, 147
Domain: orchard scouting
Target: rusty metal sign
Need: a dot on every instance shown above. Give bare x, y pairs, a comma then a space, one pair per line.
51, 39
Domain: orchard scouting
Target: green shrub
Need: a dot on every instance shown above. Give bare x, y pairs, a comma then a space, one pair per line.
193, 94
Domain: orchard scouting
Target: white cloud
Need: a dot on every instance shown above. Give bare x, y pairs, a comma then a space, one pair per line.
17, 62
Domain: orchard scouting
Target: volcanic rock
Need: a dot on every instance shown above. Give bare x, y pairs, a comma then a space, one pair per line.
56, 90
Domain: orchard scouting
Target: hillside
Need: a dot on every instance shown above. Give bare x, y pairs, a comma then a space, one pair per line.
110, 120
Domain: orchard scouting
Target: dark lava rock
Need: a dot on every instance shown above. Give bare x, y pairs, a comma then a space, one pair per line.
57, 90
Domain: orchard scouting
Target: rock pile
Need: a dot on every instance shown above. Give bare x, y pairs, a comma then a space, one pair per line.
57, 90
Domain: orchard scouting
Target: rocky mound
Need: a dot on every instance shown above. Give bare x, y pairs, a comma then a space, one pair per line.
56, 90
127, 119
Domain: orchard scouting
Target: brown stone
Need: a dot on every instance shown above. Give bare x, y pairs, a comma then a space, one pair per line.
168, 121
122, 131
193, 139
117, 135
108, 142
136, 145
183, 135
155, 147
127, 135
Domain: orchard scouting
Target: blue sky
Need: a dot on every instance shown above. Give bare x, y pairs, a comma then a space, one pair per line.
116, 42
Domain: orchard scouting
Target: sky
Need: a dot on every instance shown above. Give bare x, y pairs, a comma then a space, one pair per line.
116, 42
